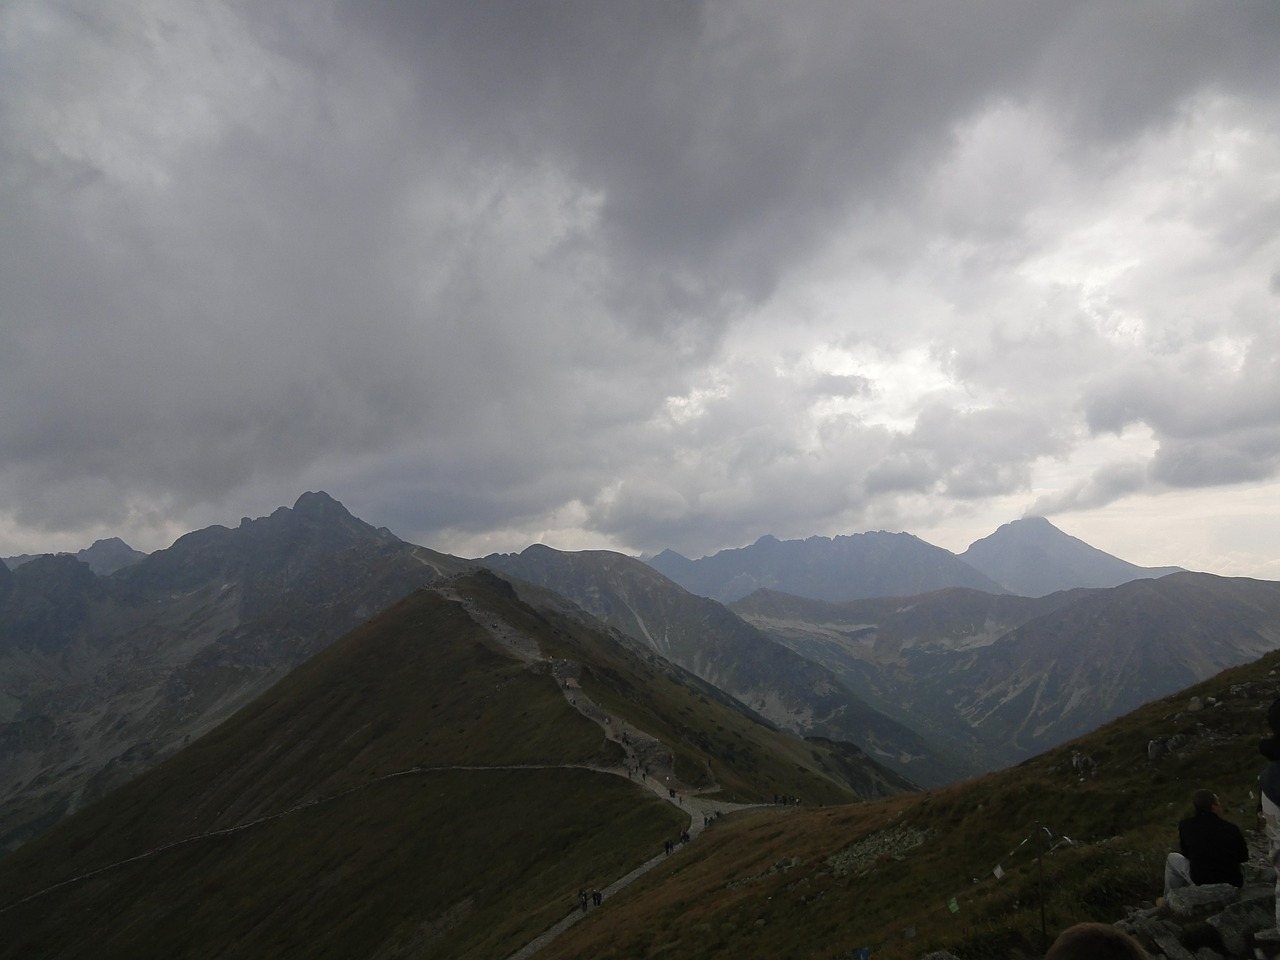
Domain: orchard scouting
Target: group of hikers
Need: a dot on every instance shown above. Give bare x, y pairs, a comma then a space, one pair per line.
1211, 849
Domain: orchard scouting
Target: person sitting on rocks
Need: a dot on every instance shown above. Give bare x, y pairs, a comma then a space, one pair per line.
1212, 848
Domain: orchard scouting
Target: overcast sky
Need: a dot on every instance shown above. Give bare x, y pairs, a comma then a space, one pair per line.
644, 274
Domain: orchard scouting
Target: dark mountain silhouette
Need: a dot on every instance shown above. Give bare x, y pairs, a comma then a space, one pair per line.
432, 784
102, 676
1010, 676
707, 639
1033, 558
844, 568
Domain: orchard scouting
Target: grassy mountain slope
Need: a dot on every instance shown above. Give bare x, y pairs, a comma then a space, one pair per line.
414, 790
821, 883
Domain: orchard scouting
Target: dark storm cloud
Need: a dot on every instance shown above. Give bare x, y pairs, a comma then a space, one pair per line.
640, 271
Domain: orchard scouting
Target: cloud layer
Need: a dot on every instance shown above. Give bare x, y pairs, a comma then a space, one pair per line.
636, 275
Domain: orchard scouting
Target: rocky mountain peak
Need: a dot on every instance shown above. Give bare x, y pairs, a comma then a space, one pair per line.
319, 505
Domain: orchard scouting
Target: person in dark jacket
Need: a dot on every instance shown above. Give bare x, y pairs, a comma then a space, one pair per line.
1212, 848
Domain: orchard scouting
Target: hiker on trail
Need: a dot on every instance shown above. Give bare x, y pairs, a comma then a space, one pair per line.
582, 896
1212, 848
1269, 781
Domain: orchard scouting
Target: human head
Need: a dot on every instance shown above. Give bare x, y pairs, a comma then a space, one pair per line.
1204, 801
1095, 941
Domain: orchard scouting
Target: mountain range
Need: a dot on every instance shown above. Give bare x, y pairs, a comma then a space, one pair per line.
711, 642
438, 782
445, 778
1021, 674
1029, 557
104, 676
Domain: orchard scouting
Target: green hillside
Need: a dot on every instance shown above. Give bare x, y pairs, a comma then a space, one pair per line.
415, 790
822, 883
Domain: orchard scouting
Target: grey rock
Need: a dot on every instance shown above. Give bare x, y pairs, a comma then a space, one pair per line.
1239, 920
1190, 901
1172, 948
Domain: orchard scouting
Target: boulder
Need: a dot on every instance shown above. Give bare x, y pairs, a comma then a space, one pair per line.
1238, 921
1190, 901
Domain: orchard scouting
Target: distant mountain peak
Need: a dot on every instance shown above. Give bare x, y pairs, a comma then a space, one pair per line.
107, 556
668, 552
1033, 558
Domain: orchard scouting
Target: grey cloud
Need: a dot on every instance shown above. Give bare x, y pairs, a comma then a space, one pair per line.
459, 257
727, 136
1195, 399
1227, 458
1104, 486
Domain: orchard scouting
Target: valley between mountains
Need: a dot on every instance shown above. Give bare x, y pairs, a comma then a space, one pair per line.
305, 737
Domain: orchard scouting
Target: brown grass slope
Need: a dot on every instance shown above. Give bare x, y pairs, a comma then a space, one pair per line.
821, 883
413, 791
